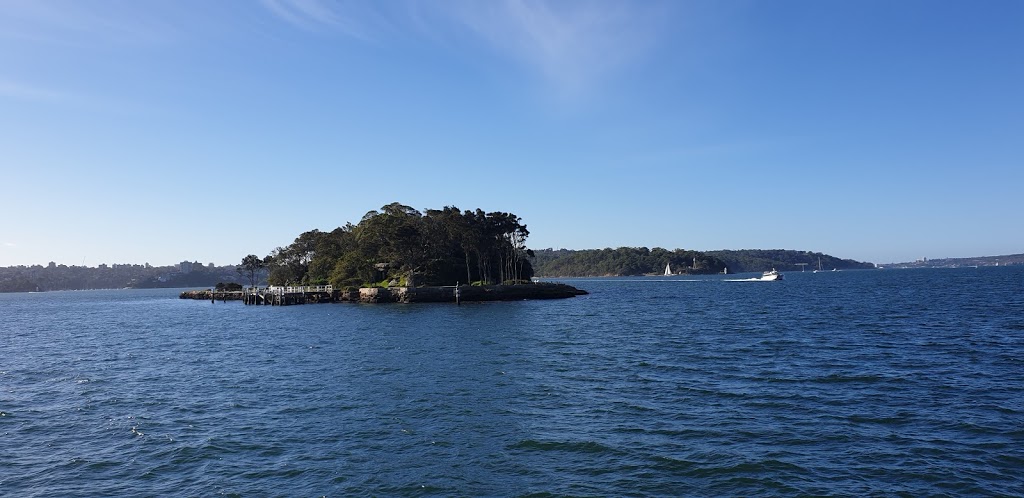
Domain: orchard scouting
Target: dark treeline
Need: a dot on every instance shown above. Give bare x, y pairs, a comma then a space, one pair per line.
641, 260
748, 260
622, 261
399, 245
62, 277
1004, 260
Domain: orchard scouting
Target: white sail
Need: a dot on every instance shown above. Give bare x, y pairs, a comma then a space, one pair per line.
668, 269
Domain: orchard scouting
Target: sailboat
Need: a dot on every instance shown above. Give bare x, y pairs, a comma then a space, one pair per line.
819, 265
668, 269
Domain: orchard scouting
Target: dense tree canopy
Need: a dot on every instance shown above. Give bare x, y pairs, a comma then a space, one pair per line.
117, 276
641, 260
623, 261
403, 245
742, 260
400, 245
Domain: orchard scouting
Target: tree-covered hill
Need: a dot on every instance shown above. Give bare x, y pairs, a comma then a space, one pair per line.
401, 245
753, 260
641, 260
394, 244
62, 277
622, 262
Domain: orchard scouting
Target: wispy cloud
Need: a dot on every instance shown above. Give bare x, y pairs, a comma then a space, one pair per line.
572, 44
62, 22
21, 91
361, 20
39, 95
10, 244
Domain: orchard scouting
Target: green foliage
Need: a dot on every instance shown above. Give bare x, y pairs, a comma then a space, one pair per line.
251, 268
755, 260
622, 262
17, 283
117, 276
517, 282
641, 260
401, 244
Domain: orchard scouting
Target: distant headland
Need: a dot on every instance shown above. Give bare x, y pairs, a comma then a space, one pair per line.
628, 261
1006, 260
398, 246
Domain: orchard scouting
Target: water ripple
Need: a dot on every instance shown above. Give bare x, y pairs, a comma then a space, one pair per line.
849, 383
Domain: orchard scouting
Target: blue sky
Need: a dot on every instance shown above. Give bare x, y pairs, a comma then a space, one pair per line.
161, 131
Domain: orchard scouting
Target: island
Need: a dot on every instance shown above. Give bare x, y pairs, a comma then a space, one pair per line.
399, 254
397, 247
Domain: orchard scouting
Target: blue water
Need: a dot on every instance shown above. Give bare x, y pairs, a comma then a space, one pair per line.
902, 382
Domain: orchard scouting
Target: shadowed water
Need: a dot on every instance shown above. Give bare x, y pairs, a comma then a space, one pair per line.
838, 383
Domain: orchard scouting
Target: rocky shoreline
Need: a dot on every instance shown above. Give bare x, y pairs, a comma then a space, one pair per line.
442, 294
210, 295
468, 293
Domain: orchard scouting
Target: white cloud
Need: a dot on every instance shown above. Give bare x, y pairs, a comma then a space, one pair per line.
361, 20
10, 244
572, 44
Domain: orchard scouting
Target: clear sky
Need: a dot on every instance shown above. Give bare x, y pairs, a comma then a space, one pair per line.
161, 131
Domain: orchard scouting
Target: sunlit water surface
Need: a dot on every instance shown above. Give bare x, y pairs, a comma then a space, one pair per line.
840, 383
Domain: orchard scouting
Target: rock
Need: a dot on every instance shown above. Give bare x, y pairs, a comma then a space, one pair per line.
446, 294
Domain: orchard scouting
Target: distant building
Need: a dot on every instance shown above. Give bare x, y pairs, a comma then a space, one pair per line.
185, 267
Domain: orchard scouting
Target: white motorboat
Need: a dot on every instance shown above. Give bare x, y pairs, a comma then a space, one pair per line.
772, 274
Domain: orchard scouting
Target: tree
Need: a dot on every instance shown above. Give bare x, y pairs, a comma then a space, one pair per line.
398, 242
251, 268
460, 232
330, 248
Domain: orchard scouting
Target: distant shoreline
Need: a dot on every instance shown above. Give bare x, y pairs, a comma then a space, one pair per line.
1006, 260
38, 278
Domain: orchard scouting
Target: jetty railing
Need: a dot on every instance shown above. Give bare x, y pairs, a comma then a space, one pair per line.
284, 295
278, 290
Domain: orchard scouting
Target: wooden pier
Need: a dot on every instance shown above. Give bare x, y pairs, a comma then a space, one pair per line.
276, 295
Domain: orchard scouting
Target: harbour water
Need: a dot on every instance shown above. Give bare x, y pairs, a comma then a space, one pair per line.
891, 382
